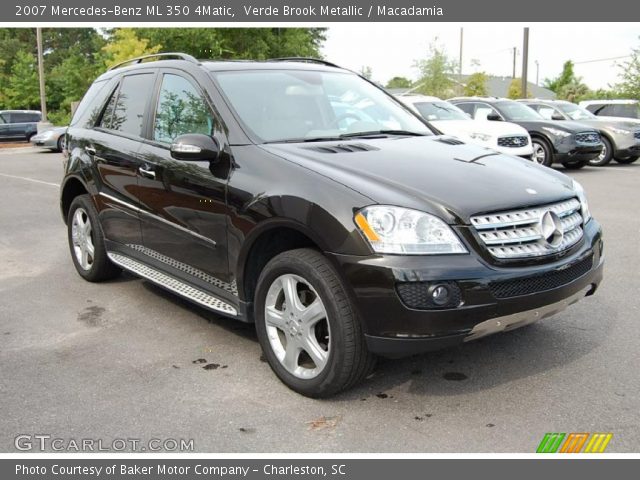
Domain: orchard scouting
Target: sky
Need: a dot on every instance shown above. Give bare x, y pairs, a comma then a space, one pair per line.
391, 49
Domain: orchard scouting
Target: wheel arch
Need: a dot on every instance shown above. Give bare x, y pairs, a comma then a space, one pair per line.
72, 187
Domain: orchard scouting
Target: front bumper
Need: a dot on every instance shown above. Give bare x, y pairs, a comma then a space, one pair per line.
393, 329
569, 150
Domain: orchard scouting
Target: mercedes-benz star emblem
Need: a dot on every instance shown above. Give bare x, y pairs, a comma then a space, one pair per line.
551, 229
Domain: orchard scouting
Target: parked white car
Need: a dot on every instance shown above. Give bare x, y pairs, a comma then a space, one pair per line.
503, 137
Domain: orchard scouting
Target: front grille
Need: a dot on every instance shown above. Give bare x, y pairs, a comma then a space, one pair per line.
532, 232
588, 137
540, 283
513, 142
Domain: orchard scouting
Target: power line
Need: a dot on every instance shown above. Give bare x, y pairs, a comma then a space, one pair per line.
602, 59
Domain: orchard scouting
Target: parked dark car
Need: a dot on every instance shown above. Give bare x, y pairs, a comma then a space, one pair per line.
237, 186
620, 136
19, 124
569, 143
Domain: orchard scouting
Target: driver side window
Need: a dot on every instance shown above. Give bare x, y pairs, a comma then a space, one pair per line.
483, 111
181, 109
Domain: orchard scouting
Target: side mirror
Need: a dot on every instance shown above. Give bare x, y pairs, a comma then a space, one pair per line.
557, 116
195, 147
494, 117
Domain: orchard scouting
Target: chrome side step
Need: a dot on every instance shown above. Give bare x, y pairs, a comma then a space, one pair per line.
183, 289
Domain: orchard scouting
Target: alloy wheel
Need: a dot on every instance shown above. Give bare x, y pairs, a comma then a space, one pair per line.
539, 154
81, 231
297, 326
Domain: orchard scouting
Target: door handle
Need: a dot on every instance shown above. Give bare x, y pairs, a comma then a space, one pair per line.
147, 172
90, 150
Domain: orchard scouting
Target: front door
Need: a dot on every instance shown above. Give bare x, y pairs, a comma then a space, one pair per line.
183, 209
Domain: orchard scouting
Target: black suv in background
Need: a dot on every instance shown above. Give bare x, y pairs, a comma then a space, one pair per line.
569, 143
19, 124
304, 198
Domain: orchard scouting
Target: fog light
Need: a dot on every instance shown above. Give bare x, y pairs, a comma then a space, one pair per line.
440, 295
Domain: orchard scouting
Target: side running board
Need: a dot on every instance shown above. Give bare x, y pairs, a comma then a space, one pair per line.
176, 286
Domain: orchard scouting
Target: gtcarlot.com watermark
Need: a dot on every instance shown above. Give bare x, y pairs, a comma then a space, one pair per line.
45, 442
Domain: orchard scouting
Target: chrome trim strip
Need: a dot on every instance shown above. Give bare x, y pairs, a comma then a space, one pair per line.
520, 319
183, 289
158, 218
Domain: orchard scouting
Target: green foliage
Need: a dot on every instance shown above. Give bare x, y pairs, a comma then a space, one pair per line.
399, 82
567, 76
22, 87
573, 91
436, 72
629, 86
476, 85
74, 57
515, 89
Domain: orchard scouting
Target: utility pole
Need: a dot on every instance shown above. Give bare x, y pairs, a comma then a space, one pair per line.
537, 73
43, 99
514, 62
525, 61
460, 58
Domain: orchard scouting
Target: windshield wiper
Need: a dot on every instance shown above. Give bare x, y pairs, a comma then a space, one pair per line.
305, 140
382, 134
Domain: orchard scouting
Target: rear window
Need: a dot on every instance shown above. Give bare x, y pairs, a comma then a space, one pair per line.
129, 109
89, 108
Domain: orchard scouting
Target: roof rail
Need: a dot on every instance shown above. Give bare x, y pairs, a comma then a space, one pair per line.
180, 56
304, 60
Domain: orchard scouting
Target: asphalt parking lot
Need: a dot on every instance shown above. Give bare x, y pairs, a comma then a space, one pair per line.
116, 360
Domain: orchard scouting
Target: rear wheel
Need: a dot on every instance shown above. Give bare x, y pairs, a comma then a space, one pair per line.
86, 242
626, 160
308, 326
605, 156
542, 152
576, 165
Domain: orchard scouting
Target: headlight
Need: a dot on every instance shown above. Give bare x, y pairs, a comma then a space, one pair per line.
620, 131
557, 132
483, 137
46, 135
410, 232
584, 205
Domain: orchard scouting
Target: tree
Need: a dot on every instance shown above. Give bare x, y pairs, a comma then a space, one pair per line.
476, 85
436, 72
567, 76
399, 82
573, 91
23, 89
125, 44
515, 89
629, 85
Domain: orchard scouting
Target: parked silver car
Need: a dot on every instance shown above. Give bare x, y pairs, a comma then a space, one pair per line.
52, 139
620, 136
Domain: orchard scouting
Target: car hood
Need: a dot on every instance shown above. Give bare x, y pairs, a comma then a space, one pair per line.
496, 129
430, 174
569, 125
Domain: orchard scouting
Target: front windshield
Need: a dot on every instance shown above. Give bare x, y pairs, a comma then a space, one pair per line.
575, 112
517, 112
440, 111
299, 105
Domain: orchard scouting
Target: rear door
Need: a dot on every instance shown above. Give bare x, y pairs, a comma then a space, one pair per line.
184, 214
113, 147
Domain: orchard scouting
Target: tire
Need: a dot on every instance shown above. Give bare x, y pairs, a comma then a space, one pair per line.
29, 136
60, 144
576, 165
542, 152
626, 160
334, 334
605, 156
97, 266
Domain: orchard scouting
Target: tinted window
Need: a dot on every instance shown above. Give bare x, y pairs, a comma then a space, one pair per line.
24, 117
181, 109
131, 104
546, 112
89, 108
107, 115
3, 119
466, 107
483, 111
514, 111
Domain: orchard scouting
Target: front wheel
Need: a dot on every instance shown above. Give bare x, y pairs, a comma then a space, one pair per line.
575, 165
308, 326
605, 155
626, 160
542, 153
